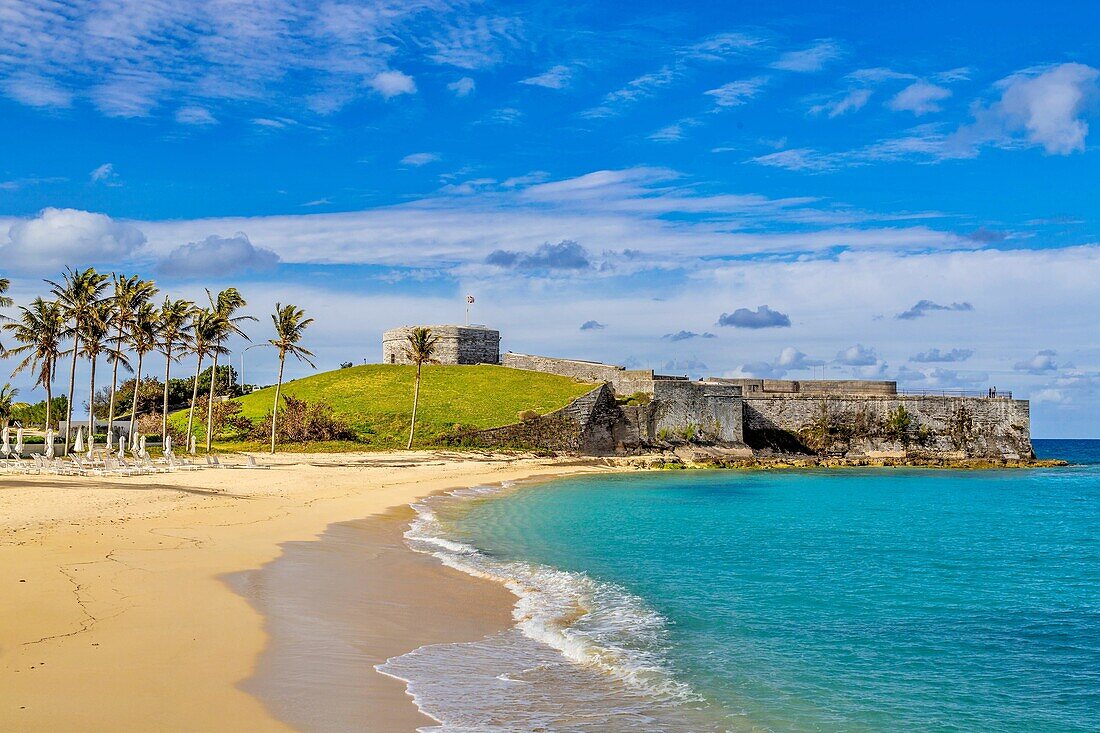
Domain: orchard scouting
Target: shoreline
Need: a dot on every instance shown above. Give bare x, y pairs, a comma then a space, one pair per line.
119, 617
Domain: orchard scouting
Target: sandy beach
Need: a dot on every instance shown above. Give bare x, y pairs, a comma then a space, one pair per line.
136, 604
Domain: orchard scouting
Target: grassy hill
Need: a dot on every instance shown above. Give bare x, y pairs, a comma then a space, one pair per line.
377, 399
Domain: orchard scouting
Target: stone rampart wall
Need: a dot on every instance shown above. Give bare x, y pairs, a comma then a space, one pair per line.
624, 382
753, 388
964, 427
454, 345
705, 412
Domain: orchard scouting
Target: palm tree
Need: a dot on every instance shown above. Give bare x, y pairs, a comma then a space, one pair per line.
225, 324
41, 329
5, 302
144, 334
130, 294
420, 350
94, 334
289, 324
202, 342
77, 294
7, 395
175, 319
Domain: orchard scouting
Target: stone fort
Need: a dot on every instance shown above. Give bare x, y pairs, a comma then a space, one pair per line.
637, 409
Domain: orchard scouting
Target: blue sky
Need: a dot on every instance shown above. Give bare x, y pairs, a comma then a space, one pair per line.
793, 182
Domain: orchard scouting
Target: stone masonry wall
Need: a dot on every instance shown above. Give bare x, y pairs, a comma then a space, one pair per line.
454, 345
953, 427
704, 412
624, 382
818, 387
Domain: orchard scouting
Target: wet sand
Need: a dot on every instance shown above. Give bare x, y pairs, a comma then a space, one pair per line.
336, 607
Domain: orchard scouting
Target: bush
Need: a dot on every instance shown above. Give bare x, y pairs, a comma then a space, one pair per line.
898, 425
526, 415
301, 422
229, 423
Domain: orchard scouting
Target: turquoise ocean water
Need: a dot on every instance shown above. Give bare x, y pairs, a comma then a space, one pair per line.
842, 600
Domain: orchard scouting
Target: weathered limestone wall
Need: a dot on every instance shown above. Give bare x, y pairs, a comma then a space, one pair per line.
705, 412
963, 427
455, 345
624, 382
586, 425
862, 387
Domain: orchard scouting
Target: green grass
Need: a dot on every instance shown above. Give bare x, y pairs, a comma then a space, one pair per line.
376, 399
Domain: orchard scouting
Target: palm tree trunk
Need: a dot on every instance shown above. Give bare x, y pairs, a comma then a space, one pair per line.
91, 401
69, 402
275, 409
49, 399
164, 410
210, 403
416, 398
194, 397
137, 384
114, 378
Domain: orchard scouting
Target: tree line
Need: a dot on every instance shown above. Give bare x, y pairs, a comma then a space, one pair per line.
91, 315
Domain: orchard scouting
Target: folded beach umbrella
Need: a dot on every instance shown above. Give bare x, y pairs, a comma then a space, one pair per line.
141, 446
91, 445
49, 443
191, 449
167, 443
110, 440
78, 446
121, 450
6, 434
19, 441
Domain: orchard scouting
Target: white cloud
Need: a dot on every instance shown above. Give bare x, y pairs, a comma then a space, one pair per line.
557, 77
393, 83
36, 91
920, 98
810, 59
103, 174
195, 115
463, 87
857, 355
736, 93
57, 238
674, 132
1046, 105
477, 42
1042, 362
853, 101
419, 159
217, 256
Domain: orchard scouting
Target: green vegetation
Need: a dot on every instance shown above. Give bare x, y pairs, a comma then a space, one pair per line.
376, 400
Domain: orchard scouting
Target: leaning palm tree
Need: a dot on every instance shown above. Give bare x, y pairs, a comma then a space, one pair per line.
40, 329
78, 293
94, 335
7, 396
130, 294
289, 323
5, 302
420, 350
144, 335
225, 324
175, 321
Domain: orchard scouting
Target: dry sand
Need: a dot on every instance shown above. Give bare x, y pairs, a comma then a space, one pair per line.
116, 614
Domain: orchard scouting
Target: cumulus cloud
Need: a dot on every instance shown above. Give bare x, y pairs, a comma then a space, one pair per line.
419, 159
217, 256
1042, 363
463, 87
762, 317
920, 98
393, 83
68, 237
809, 59
935, 355
556, 77
685, 335
793, 359
565, 255
593, 326
924, 307
1045, 105
857, 355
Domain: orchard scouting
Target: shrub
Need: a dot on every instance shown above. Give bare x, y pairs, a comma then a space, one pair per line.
526, 415
346, 365
899, 423
301, 422
229, 423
